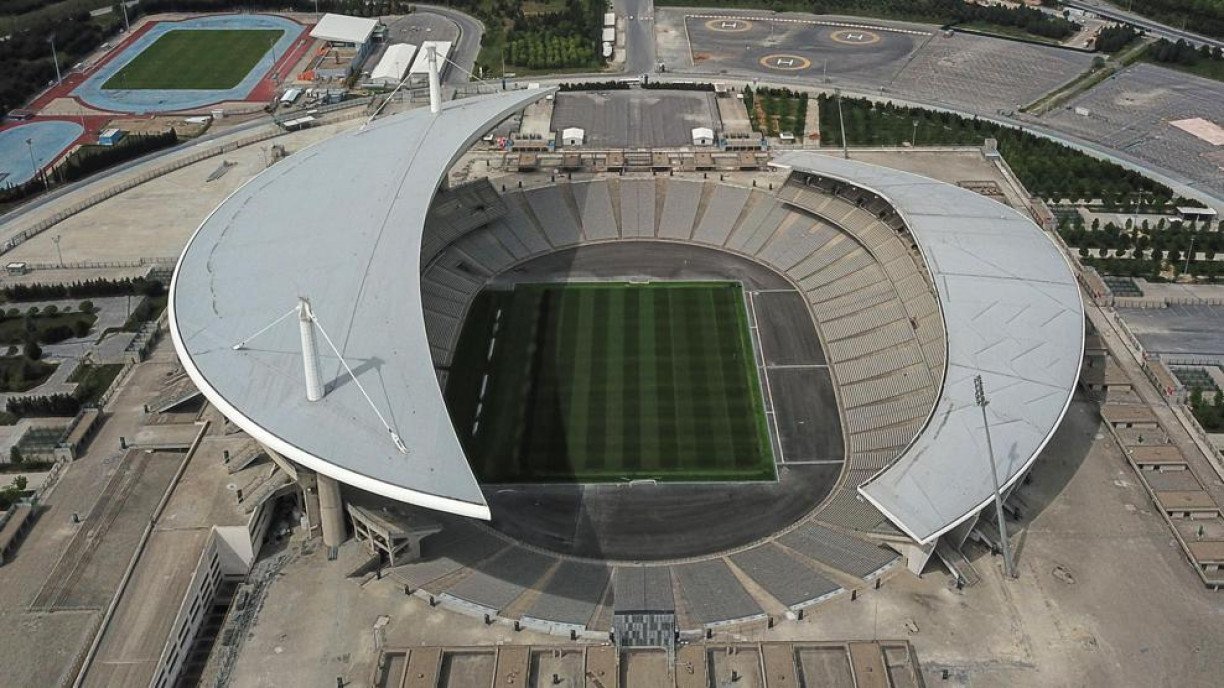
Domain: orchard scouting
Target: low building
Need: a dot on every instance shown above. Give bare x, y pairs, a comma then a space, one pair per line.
344, 32
572, 136
419, 71
703, 136
1196, 213
393, 66
110, 137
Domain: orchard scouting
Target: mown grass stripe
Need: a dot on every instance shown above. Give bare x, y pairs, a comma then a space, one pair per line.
616, 381
650, 442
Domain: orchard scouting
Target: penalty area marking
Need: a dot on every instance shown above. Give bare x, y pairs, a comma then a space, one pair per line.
729, 25
786, 62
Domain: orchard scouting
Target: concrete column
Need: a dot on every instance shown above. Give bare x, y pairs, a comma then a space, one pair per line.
916, 556
331, 511
308, 482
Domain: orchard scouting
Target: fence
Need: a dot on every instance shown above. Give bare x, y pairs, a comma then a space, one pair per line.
105, 264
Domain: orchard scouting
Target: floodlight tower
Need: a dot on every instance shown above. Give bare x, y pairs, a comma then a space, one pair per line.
980, 397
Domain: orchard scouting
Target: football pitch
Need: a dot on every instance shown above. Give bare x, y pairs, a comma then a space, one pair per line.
211, 59
607, 382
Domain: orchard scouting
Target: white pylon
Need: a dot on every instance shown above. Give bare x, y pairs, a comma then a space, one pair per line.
435, 85
310, 351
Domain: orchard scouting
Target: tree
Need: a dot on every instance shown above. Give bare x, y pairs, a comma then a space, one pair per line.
32, 350
15, 455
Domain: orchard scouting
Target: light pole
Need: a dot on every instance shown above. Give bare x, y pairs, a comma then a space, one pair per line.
1189, 254
33, 164
914, 137
126, 25
842, 121
980, 396
54, 57
58, 252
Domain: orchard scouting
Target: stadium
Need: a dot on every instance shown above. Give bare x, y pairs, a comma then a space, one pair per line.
628, 402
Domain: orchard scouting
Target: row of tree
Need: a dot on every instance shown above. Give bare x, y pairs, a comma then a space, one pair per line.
775, 110
1209, 415
52, 405
26, 65
1143, 236
1201, 16
1183, 53
1113, 38
84, 289
541, 50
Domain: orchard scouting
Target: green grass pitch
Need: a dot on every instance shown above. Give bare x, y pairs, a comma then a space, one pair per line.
605, 382
189, 59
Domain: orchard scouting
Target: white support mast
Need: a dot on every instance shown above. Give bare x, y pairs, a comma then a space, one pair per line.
310, 351
435, 85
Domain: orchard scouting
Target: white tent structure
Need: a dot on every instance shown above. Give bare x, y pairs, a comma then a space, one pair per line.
340, 29
394, 65
420, 65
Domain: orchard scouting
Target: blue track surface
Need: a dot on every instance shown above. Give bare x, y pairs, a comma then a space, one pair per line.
47, 140
149, 100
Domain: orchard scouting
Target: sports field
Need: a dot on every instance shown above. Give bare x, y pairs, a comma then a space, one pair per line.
606, 382
211, 59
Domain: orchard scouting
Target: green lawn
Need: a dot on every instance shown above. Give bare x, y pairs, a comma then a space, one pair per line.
609, 382
48, 328
19, 374
196, 59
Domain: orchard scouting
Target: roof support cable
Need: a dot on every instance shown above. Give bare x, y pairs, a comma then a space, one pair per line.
395, 438
242, 344
399, 443
404, 80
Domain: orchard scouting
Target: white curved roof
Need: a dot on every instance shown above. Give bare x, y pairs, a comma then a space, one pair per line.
340, 223
1013, 314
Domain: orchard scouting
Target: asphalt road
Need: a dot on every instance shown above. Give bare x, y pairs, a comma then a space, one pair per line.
1152, 27
465, 50
639, 35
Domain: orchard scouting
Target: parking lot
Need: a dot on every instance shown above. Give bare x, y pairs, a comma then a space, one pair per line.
1132, 110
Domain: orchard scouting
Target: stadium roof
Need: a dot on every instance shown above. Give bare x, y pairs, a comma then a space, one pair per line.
340, 28
1013, 314
339, 222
